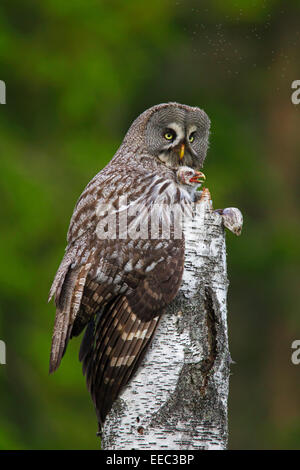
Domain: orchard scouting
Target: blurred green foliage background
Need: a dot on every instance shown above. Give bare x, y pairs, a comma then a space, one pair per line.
77, 74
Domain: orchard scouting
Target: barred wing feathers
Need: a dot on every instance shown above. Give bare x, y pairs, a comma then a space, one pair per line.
117, 340
116, 288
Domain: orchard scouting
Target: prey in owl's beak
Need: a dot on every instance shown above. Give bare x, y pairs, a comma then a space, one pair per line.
198, 177
190, 177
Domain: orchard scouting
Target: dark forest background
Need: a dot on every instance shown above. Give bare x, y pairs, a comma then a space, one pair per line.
77, 74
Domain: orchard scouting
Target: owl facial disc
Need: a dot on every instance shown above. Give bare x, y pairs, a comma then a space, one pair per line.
178, 135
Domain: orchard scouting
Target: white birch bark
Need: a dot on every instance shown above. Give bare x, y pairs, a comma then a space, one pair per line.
178, 397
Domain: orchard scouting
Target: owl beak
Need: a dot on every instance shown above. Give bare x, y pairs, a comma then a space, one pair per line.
199, 177
181, 151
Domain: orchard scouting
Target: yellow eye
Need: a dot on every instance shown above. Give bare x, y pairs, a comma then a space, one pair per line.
168, 136
191, 138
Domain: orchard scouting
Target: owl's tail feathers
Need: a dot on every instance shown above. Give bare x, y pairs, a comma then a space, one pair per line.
68, 288
112, 349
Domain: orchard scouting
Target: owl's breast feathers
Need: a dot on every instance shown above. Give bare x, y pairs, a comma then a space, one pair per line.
116, 286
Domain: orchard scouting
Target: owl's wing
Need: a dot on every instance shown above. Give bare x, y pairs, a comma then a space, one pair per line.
69, 282
67, 287
116, 341
87, 253
119, 287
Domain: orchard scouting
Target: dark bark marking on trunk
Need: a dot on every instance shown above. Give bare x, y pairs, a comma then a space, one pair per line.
211, 320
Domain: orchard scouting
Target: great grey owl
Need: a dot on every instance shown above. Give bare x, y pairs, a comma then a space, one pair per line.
114, 280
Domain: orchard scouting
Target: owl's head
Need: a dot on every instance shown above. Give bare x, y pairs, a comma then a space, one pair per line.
176, 134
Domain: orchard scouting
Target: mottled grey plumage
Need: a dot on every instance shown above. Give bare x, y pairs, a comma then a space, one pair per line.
117, 288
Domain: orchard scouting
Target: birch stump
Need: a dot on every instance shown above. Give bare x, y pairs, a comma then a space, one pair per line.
178, 397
